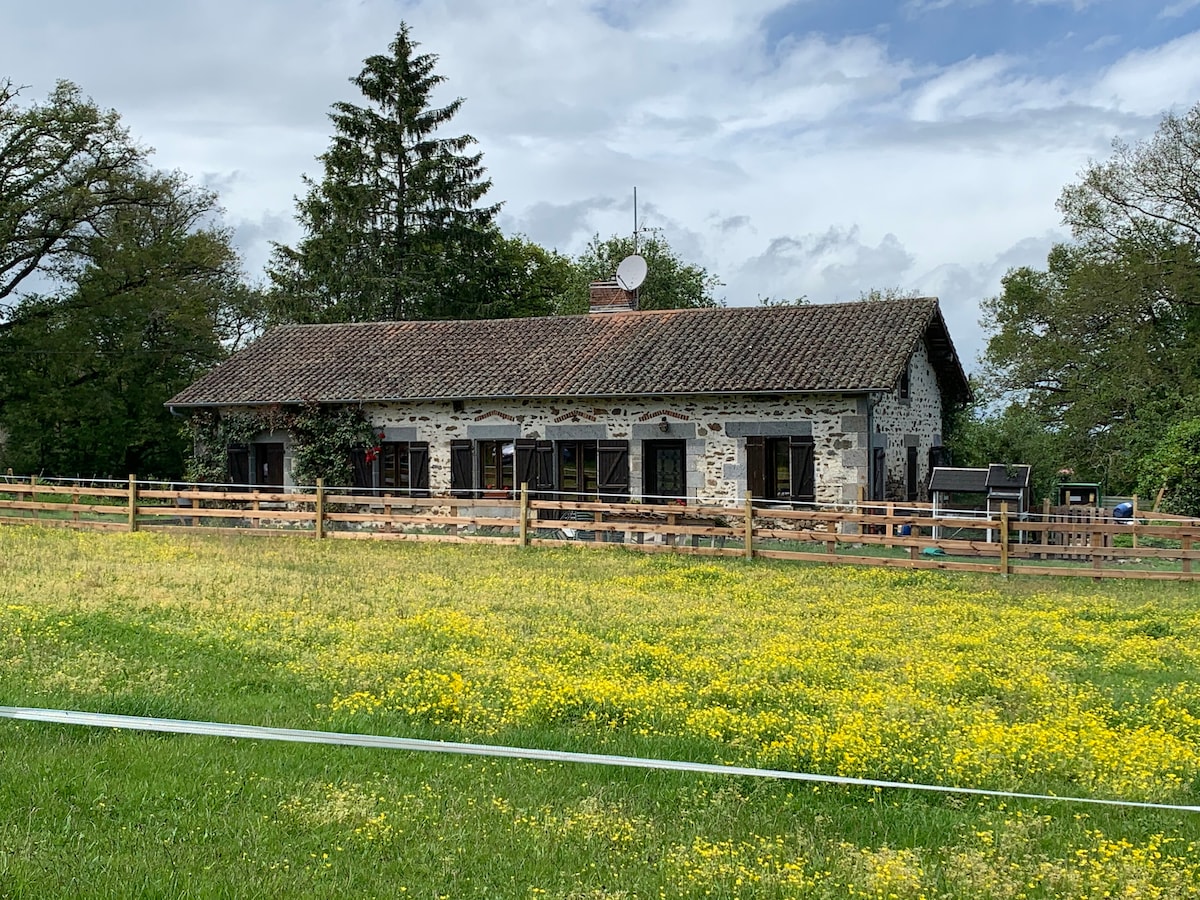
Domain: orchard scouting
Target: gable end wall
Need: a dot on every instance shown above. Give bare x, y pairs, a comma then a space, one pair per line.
917, 421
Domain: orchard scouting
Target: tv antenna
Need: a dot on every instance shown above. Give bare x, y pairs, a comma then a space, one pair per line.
635, 222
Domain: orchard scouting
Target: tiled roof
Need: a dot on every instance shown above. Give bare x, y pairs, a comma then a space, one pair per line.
831, 347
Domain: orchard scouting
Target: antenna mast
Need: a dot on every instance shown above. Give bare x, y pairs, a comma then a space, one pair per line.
635, 221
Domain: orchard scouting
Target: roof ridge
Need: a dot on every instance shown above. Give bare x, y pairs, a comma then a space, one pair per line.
632, 313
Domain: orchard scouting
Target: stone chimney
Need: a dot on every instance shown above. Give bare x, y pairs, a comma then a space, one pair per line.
610, 297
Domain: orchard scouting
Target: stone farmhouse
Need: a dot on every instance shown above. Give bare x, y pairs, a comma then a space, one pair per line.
796, 404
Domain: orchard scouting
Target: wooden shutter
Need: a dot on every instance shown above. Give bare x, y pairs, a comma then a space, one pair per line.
545, 465
237, 462
462, 483
362, 472
612, 468
418, 469
878, 473
525, 464
756, 452
913, 487
803, 469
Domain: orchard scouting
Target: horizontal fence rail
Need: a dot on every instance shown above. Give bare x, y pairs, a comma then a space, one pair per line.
1055, 541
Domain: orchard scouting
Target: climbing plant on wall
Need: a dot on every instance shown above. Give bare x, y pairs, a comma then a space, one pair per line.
322, 440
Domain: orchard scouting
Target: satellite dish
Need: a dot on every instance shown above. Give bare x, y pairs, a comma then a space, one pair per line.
631, 272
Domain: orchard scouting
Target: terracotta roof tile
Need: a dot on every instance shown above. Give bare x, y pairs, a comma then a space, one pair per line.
829, 347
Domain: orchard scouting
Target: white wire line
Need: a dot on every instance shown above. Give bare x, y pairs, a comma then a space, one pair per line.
383, 742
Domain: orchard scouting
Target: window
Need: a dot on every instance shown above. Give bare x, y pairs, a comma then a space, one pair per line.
578, 470
401, 467
404, 466
590, 470
496, 466
905, 384
781, 468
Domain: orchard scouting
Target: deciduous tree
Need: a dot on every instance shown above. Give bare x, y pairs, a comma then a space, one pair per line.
152, 300
63, 164
670, 282
1103, 346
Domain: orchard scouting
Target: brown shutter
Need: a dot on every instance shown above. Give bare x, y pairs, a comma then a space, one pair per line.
361, 471
545, 465
525, 464
878, 473
238, 463
803, 469
756, 451
418, 469
612, 468
462, 483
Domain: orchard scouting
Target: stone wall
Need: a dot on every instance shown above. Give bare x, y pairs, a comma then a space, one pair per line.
913, 422
713, 428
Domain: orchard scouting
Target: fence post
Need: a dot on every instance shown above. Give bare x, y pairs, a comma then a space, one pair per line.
1134, 522
33, 495
1004, 539
320, 512
1185, 544
524, 527
133, 497
749, 526
1045, 527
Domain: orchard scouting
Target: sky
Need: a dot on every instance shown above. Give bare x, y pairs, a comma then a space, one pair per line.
812, 148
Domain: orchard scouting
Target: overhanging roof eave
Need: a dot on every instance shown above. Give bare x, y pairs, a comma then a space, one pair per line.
199, 404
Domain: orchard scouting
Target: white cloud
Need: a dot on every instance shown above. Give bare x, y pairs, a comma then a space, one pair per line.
1147, 82
1175, 10
823, 164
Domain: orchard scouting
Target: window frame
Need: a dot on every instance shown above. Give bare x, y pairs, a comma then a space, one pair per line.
490, 457
781, 468
370, 474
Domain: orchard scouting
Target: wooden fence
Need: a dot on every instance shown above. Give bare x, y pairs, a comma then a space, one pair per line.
1067, 542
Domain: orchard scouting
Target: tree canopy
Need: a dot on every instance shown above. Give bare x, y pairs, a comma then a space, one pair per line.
63, 163
139, 292
670, 282
395, 229
1103, 345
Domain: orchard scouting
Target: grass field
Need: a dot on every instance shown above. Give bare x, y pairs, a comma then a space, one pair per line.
1047, 686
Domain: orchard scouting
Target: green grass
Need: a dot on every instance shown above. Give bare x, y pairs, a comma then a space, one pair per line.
1034, 685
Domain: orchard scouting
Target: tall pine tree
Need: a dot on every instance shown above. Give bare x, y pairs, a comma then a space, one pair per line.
394, 230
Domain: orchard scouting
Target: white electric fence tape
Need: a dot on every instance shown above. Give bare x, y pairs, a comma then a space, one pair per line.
259, 733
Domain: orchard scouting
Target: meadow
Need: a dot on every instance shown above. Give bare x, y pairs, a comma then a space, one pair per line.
1046, 686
